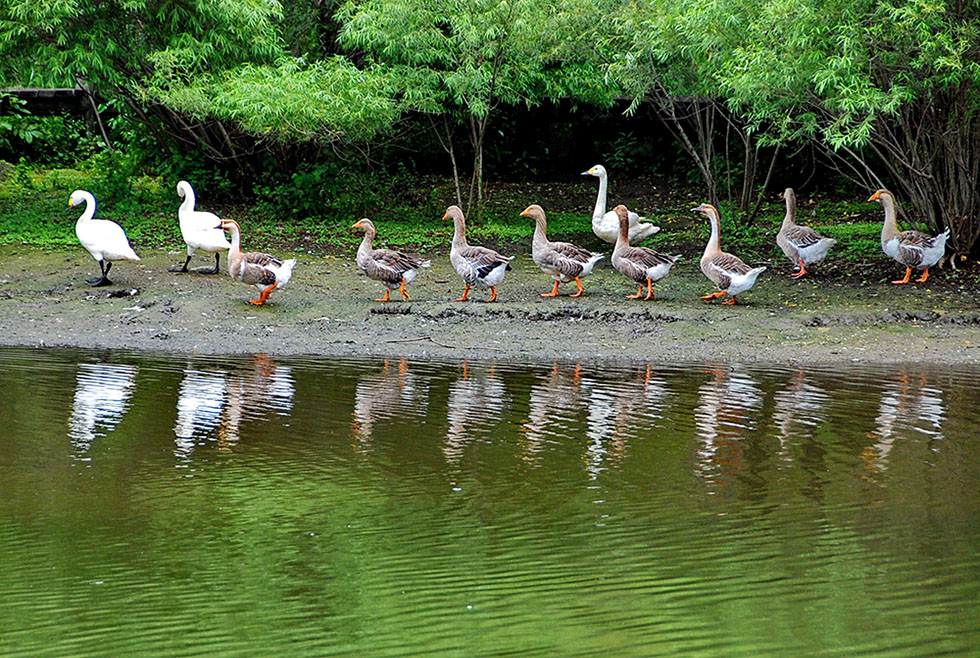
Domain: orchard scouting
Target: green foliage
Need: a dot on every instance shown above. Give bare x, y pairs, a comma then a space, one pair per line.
322, 102
57, 141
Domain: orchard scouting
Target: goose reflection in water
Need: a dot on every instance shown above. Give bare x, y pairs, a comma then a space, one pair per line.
723, 417
554, 400
393, 392
616, 409
798, 410
102, 394
907, 405
200, 401
477, 400
219, 401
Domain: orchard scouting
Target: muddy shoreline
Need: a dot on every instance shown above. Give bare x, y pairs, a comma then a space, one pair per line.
328, 310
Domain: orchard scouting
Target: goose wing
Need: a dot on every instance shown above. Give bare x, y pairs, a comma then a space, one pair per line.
390, 266
722, 266
567, 250
802, 236
483, 260
259, 268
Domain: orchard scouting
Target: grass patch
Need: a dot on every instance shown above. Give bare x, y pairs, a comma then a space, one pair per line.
34, 211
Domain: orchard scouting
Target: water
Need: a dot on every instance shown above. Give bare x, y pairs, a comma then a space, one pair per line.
246, 506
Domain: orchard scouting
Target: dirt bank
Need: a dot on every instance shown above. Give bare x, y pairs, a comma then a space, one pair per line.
328, 310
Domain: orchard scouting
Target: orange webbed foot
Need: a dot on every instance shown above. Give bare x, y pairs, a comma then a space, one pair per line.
729, 302
639, 293
908, 275
925, 275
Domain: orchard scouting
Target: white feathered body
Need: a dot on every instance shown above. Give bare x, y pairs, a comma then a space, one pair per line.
104, 239
605, 224
199, 229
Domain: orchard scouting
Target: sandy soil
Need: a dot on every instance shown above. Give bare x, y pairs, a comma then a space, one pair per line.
328, 309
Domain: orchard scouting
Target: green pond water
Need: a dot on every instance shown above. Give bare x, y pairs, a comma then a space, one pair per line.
167, 505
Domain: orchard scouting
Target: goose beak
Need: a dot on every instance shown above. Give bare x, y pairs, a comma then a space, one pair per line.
445, 215
587, 173
874, 197
525, 212
357, 224
698, 209
221, 226
70, 204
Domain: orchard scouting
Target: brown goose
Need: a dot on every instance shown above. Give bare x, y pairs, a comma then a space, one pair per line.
562, 260
477, 266
392, 268
728, 272
642, 264
261, 270
801, 244
913, 249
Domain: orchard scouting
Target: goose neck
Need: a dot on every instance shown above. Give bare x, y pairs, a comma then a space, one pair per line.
790, 220
714, 242
600, 201
459, 231
890, 227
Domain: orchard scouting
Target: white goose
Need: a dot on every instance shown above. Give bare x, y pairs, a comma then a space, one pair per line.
606, 224
199, 230
104, 239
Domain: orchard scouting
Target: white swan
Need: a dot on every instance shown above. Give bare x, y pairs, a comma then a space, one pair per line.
105, 240
199, 230
606, 224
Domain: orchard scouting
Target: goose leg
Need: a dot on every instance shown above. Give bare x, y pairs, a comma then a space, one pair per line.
217, 258
181, 269
104, 279
466, 292
729, 302
402, 290
649, 291
493, 294
577, 293
385, 298
639, 293
714, 295
554, 291
908, 275
925, 275
800, 273
264, 296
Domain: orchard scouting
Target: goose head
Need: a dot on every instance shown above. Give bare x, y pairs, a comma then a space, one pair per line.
365, 225
597, 170
454, 213
534, 211
228, 224
706, 209
184, 189
788, 193
879, 194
